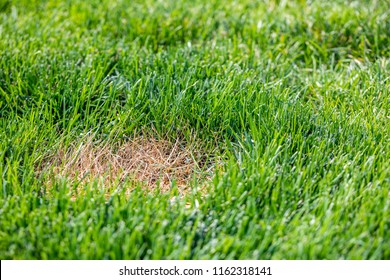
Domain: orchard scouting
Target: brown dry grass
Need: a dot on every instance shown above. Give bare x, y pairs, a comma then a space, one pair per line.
153, 163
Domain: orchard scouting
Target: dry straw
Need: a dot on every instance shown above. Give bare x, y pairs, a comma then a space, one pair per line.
151, 162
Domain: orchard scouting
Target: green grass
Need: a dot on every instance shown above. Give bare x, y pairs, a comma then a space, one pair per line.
292, 96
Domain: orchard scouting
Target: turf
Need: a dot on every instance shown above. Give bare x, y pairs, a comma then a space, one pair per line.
289, 100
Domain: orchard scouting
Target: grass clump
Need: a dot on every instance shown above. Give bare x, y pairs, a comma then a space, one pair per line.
286, 101
154, 163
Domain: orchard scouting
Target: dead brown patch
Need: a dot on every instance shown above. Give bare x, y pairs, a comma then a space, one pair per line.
153, 163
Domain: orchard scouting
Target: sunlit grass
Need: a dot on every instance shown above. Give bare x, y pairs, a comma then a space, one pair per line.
288, 100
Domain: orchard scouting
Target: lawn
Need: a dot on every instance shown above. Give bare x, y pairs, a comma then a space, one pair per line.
200, 129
